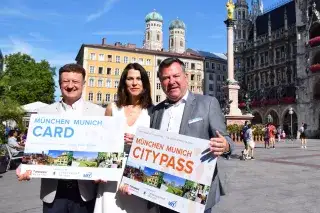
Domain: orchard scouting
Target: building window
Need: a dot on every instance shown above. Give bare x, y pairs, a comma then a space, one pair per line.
158, 86
198, 77
223, 78
199, 89
133, 60
211, 77
141, 61
158, 37
99, 96
107, 97
207, 65
116, 84
213, 66
101, 57
149, 74
91, 82
148, 62
115, 97
117, 59
108, 71
125, 60
158, 62
100, 70
181, 43
158, 97
224, 67
90, 98
92, 56
148, 34
91, 69
193, 66
218, 67
192, 77
109, 58
108, 83
117, 71
211, 87
186, 64
192, 88
100, 83
218, 78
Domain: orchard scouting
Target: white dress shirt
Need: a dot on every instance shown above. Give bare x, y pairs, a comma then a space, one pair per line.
75, 109
172, 116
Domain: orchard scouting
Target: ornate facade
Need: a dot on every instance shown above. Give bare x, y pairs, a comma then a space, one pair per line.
265, 60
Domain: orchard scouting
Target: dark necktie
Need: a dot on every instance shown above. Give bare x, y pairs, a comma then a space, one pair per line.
168, 104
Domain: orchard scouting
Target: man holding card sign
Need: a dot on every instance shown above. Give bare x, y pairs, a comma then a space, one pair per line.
62, 195
193, 115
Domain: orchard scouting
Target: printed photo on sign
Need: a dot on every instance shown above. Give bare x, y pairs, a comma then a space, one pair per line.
169, 169
75, 159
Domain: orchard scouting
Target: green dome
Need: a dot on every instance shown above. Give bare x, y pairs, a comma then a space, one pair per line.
177, 24
154, 16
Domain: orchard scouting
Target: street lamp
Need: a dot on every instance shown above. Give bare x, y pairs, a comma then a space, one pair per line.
291, 112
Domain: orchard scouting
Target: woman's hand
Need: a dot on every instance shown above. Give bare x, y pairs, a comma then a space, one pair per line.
124, 189
24, 176
128, 138
99, 181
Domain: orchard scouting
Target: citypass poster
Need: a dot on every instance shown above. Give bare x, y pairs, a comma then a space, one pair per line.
77, 147
169, 169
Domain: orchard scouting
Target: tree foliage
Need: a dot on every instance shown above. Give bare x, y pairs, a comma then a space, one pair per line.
26, 80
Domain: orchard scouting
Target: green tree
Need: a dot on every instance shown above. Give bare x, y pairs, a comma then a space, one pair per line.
188, 186
160, 179
26, 80
9, 110
70, 157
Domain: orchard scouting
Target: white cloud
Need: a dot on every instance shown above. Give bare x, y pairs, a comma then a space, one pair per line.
119, 33
12, 12
107, 6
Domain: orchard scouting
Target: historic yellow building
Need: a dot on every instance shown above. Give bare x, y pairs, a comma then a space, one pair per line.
104, 65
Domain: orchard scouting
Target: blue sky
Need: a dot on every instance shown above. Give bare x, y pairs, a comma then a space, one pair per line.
55, 153
177, 180
55, 30
148, 171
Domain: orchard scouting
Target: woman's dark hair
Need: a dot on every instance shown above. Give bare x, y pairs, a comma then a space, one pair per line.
11, 132
145, 99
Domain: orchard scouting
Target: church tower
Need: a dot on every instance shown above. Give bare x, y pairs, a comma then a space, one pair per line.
153, 39
256, 9
177, 37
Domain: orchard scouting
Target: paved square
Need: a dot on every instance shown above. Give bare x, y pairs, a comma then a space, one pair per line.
281, 180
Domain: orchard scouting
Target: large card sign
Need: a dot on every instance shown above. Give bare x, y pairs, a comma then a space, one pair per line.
81, 147
169, 169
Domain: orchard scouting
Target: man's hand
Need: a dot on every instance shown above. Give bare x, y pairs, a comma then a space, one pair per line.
24, 176
124, 189
219, 145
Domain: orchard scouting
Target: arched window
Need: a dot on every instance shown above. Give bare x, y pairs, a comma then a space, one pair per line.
158, 37
90, 98
148, 35
171, 43
181, 43
99, 96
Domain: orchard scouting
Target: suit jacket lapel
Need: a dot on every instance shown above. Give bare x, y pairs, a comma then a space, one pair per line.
156, 123
187, 112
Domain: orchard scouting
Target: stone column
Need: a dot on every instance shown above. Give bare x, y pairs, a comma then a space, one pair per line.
233, 86
230, 25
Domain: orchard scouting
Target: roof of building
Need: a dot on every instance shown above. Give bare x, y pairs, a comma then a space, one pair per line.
277, 18
206, 54
154, 16
177, 24
135, 49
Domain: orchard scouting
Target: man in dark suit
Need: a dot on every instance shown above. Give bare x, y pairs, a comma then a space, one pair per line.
193, 115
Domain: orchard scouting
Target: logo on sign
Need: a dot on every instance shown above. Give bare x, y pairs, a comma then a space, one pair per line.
87, 175
172, 203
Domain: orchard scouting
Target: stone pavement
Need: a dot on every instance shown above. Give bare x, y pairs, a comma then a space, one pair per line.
281, 180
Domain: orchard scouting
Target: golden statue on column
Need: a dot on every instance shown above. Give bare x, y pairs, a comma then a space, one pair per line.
230, 9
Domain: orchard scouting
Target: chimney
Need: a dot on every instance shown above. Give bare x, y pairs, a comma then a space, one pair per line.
103, 41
